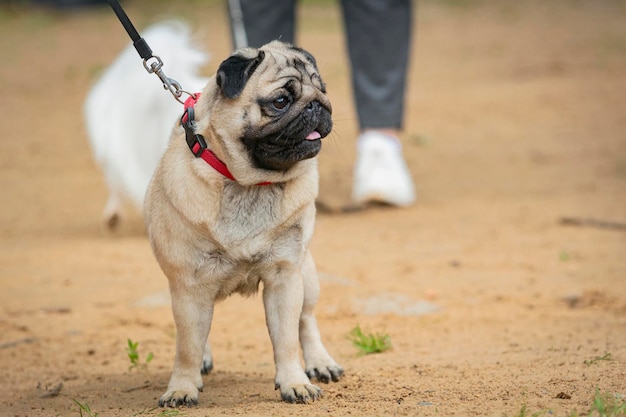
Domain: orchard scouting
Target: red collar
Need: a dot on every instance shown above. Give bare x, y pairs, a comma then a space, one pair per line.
198, 145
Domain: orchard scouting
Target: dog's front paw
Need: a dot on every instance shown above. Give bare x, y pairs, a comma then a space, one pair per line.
186, 394
299, 393
325, 374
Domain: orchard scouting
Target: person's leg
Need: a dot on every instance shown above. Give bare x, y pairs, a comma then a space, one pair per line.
263, 20
379, 36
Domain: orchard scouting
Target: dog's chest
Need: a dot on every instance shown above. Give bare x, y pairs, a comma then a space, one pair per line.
251, 239
248, 217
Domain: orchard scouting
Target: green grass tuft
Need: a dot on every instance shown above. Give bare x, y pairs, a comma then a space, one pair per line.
607, 405
133, 355
594, 361
602, 405
370, 343
84, 408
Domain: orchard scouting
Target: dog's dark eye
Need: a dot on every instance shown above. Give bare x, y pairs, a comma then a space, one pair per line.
280, 103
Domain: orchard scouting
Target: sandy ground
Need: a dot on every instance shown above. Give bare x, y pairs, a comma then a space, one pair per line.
516, 119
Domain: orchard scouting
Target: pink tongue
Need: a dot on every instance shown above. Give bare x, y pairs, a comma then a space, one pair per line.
313, 135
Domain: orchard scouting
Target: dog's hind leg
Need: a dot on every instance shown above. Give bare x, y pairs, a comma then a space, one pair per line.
318, 362
207, 359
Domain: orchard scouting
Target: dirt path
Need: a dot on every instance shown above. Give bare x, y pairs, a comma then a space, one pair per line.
516, 119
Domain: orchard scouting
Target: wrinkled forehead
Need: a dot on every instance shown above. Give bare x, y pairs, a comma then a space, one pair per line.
294, 63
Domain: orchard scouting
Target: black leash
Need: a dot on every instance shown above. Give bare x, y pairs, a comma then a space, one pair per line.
152, 63
139, 43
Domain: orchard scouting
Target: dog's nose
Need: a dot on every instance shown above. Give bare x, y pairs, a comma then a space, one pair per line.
313, 106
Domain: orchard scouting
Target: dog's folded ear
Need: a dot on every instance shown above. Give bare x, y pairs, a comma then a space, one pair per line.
234, 72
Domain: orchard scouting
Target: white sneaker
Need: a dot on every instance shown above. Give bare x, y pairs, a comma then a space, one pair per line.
380, 174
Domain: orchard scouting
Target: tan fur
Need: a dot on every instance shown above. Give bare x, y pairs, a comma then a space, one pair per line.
213, 237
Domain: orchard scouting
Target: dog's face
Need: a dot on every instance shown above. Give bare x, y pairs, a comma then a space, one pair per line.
274, 103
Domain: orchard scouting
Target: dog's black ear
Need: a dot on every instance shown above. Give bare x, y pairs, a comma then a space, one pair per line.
234, 72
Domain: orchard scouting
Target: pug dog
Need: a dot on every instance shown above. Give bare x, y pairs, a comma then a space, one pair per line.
232, 205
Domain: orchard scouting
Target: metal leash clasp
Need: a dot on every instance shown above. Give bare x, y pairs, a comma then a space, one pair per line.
154, 65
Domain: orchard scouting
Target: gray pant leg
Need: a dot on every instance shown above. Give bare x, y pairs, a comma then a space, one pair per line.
267, 20
379, 36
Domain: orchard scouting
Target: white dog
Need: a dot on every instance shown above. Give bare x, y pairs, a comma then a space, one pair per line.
129, 116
